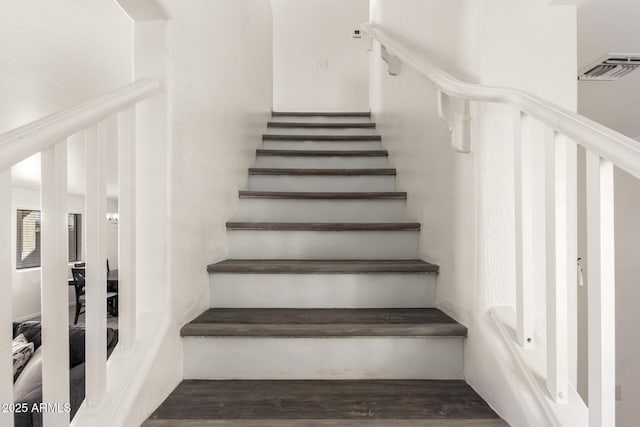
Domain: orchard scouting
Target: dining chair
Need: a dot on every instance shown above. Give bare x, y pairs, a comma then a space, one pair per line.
79, 285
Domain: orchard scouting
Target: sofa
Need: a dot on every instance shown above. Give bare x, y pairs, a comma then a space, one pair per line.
28, 385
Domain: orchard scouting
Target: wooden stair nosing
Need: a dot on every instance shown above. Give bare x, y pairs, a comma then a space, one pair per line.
322, 331
322, 153
322, 172
315, 266
325, 114
329, 125
323, 226
323, 323
311, 137
317, 195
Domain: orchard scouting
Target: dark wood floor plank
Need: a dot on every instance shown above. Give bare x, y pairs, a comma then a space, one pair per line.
322, 195
319, 125
324, 226
322, 172
321, 266
321, 113
344, 401
312, 137
322, 153
323, 323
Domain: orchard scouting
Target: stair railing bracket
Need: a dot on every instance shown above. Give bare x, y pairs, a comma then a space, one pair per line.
393, 62
459, 123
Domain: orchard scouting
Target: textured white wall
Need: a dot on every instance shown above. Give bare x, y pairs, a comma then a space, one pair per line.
221, 97
611, 26
465, 202
219, 91
305, 32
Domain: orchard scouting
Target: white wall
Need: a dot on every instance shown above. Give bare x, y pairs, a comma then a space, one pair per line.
221, 97
219, 91
611, 26
465, 202
311, 31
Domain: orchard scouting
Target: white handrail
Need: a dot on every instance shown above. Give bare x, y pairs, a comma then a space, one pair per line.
621, 150
39, 135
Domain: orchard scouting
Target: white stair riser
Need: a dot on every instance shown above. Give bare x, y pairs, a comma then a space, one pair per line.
306, 210
320, 131
320, 119
324, 358
322, 183
276, 244
322, 145
322, 290
314, 162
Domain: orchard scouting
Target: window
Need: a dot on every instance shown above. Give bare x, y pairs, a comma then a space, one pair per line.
28, 238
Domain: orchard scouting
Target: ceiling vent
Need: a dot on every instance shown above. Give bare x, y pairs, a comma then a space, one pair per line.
610, 67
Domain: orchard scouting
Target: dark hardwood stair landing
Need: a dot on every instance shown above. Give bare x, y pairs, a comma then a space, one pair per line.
289, 403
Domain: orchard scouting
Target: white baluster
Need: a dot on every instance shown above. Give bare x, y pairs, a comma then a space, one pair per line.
6, 284
96, 272
524, 228
54, 287
601, 291
571, 198
127, 228
556, 265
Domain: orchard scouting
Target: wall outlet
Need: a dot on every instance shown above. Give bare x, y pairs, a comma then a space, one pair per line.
618, 392
322, 64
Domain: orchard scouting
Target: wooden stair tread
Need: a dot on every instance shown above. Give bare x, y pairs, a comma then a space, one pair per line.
323, 322
322, 153
325, 113
324, 226
325, 402
320, 125
322, 172
321, 266
322, 195
311, 137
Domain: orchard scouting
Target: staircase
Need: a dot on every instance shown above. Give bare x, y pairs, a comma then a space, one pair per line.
322, 315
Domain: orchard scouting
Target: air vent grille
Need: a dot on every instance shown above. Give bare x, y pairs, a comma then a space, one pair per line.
610, 67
